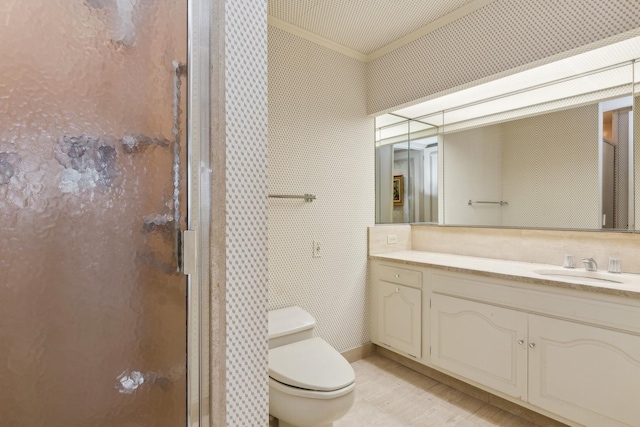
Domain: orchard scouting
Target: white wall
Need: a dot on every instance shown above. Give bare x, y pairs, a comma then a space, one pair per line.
545, 167
551, 170
320, 142
473, 171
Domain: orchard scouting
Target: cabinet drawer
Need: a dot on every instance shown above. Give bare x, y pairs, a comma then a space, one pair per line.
402, 276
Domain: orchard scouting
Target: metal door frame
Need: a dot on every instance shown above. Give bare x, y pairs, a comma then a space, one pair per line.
199, 210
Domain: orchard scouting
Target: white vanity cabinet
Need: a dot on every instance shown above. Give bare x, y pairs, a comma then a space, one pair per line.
397, 308
481, 342
568, 352
584, 372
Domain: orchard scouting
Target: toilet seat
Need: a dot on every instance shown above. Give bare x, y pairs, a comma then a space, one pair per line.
310, 365
310, 394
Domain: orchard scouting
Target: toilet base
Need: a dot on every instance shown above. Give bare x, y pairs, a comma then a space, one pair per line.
286, 424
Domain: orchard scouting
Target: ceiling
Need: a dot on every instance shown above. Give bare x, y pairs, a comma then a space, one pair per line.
366, 26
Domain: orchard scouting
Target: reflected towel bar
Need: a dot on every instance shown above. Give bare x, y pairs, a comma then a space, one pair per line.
501, 202
306, 197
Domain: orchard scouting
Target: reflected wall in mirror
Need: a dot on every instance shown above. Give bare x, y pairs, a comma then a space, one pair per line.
407, 149
547, 168
552, 147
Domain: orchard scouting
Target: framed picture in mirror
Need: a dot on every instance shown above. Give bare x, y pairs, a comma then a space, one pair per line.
398, 190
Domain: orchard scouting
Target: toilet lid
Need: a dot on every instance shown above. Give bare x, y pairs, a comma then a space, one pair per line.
311, 365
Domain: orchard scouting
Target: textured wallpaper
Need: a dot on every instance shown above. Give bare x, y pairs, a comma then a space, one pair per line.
320, 142
501, 36
246, 212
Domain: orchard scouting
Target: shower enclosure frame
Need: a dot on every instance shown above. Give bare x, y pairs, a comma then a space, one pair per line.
196, 249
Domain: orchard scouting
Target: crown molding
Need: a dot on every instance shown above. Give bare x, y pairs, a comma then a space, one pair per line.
314, 38
402, 41
430, 27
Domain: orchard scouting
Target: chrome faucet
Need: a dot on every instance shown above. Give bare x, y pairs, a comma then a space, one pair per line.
590, 264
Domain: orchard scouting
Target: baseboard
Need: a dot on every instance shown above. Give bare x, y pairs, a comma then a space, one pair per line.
360, 352
485, 396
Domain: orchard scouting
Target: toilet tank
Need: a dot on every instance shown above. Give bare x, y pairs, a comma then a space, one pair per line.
288, 325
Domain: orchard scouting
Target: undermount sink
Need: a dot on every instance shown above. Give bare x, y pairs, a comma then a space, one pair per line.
580, 275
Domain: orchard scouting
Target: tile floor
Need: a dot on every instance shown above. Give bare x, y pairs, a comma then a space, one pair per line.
391, 395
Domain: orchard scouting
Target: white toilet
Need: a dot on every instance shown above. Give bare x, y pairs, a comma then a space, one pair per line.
310, 383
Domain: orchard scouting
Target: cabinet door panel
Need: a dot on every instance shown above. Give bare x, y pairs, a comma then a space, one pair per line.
399, 317
587, 374
480, 342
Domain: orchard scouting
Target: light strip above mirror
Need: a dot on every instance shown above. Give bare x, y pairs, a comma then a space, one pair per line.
584, 63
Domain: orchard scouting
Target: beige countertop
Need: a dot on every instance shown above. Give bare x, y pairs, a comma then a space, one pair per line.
523, 271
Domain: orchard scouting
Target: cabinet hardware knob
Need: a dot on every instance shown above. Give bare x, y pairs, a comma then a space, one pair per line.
520, 342
532, 345
397, 276
397, 289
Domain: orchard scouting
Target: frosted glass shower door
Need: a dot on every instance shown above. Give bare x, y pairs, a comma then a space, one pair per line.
92, 309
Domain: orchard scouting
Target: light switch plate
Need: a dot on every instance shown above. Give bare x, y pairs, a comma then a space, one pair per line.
392, 239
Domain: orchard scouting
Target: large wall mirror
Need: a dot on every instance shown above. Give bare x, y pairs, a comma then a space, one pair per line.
551, 147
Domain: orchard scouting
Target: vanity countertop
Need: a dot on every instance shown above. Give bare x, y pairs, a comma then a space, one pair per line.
520, 271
